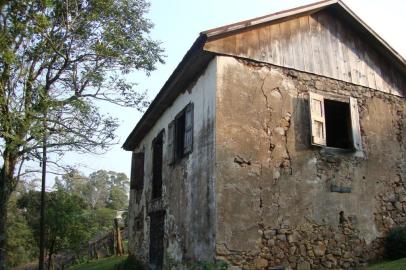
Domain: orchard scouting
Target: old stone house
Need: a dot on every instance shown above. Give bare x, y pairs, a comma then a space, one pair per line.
277, 141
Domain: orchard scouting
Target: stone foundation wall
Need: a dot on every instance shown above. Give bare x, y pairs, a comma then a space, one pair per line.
284, 202
310, 246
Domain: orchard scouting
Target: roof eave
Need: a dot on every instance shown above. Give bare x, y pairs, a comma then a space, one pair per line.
192, 63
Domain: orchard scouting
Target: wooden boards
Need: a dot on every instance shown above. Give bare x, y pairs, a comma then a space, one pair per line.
319, 44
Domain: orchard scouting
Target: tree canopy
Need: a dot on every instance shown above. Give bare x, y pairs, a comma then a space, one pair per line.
73, 216
101, 189
57, 57
65, 220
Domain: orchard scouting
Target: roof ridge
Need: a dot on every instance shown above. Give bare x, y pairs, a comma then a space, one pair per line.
269, 17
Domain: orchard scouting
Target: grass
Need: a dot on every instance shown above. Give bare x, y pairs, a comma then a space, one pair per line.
109, 263
393, 265
102, 264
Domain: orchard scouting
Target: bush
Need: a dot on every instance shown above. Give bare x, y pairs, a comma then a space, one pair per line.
129, 264
395, 243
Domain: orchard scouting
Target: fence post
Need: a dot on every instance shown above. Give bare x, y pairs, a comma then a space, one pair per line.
117, 237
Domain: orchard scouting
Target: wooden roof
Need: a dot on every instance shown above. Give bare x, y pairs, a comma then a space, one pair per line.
337, 6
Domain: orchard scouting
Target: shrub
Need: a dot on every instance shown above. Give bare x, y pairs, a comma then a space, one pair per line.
129, 264
395, 243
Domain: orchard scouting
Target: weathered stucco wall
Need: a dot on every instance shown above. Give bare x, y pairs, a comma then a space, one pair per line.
188, 186
273, 189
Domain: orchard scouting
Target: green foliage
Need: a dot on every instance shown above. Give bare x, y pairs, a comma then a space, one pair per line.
20, 239
65, 225
57, 59
71, 217
102, 189
102, 264
131, 263
393, 265
201, 265
99, 221
395, 243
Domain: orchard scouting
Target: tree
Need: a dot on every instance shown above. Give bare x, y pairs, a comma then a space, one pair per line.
108, 189
21, 245
73, 182
57, 57
65, 219
102, 189
118, 198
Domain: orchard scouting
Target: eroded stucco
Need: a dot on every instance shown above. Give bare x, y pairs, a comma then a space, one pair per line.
188, 185
275, 204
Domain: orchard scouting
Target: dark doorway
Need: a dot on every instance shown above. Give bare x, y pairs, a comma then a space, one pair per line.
157, 166
156, 240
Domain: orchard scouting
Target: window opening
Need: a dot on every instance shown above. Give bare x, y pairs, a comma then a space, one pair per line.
338, 124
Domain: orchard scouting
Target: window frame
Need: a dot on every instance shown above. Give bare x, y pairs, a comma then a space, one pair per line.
355, 129
175, 151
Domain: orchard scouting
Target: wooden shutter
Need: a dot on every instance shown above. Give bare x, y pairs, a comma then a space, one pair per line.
355, 126
137, 171
188, 141
317, 119
171, 143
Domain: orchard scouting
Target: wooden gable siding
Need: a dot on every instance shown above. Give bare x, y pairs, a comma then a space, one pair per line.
317, 43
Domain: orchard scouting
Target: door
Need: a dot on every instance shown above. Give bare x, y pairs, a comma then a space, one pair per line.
156, 240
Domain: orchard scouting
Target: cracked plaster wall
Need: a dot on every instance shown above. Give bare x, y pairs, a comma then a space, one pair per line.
273, 189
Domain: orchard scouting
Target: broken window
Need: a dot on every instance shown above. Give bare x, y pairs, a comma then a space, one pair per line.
180, 135
157, 147
335, 123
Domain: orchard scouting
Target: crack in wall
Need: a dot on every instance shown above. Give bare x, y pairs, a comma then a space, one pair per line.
267, 128
281, 129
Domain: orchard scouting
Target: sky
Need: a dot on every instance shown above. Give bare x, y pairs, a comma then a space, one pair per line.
177, 23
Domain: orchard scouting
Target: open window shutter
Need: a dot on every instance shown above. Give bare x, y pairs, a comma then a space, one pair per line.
317, 118
171, 143
188, 142
356, 130
137, 171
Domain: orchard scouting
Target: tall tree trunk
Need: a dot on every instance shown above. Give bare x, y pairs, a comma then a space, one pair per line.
7, 185
50, 253
49, 261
